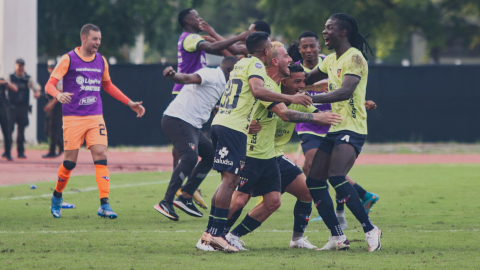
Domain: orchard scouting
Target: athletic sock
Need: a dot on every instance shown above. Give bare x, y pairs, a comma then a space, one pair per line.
248, 225
344, 189
324, 204
63, 175
219, 221
301, 216
104, 201
102, 177
210, 218
340, 203
361, 192
232, 220
57, 194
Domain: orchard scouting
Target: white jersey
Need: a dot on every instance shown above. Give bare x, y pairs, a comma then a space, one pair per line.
196, 101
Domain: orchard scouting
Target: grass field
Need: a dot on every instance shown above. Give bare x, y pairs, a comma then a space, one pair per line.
428, 214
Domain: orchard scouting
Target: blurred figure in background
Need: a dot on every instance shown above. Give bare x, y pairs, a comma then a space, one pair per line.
53, 119
7, 135
20, 103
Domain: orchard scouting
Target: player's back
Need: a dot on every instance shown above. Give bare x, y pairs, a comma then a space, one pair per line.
238, 104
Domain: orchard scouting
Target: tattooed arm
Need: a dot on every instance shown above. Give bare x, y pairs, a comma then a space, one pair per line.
321, 118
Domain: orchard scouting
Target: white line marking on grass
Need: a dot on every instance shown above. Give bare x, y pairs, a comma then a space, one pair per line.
92, 189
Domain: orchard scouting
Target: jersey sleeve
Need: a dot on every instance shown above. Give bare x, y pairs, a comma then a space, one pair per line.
256, 70
62, 67
190, 43
356, 66
206, 76
106, 74
322, 67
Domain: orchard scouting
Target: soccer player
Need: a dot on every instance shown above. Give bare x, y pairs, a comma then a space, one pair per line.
261, 174
230, 129
347, 71
191, 51
312, 134
84, 71
182, 122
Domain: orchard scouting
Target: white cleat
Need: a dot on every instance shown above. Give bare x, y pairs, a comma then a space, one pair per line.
342, 220
235, 241
342, 244
302, 243
201, 245
373, 239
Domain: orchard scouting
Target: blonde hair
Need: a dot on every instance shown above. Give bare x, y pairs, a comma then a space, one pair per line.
275, 46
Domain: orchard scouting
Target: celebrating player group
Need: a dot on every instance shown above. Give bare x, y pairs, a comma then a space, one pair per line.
259, 95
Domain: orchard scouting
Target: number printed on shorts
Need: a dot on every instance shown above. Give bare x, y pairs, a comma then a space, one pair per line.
102, 129
234, 84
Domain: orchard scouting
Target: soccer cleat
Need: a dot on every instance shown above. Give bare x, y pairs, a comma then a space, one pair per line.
302, 243
106, 211
369, 200
318, 218
373, 239
198, 199
167, 210
235, 241
187, 206
220, 243
56, 207
342, 220
202, 243
342, 244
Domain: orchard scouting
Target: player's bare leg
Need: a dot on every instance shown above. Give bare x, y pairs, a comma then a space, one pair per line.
308, 160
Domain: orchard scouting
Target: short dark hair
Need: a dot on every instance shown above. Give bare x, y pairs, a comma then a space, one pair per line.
230, 60
255, 41
308, 34
262, 26
86, 29
182, 15
295, 68
293, 52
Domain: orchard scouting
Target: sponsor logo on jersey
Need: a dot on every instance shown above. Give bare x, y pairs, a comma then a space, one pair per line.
194, 36
192, 145
223, 152
258, 65
223, 161
339, 72
80, 80
87, 101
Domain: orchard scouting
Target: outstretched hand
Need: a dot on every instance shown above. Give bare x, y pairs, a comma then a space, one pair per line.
137, 107
302, 99
327, 118
204, 26
255, 127
320, 86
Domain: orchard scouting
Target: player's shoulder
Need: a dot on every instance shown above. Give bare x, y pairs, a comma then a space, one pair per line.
271, 84
355, 59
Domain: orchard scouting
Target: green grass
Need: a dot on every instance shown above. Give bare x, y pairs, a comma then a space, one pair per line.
428, 214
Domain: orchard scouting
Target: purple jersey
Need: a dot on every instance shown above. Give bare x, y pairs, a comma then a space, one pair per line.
188, 62
302, 128
84, 80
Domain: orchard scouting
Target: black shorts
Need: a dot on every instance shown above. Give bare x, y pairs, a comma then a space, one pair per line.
310, 141
260, 176
174, 96
288, 171
230, 149
341, 137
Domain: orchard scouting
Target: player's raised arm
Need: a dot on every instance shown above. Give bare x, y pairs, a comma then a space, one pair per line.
349, 84
181, 78
314, 76
217, 47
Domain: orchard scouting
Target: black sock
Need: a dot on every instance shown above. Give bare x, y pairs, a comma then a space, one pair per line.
301, 214
324, 204
57, 194
210, 218
232, 220
352, 200
219, 221
104, 201
340, 203
248, 225
361, 192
